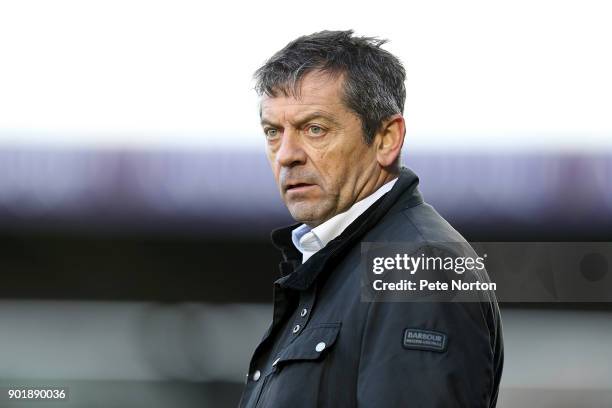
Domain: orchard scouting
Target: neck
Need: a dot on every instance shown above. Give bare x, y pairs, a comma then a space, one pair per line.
374, 183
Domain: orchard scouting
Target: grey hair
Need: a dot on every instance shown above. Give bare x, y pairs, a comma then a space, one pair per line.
373, 77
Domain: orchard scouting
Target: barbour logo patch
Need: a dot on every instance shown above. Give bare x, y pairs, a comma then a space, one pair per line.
419, 339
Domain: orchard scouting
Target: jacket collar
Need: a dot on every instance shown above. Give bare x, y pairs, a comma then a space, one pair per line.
296, 275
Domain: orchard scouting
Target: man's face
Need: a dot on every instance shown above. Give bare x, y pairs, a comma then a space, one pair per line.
316, 148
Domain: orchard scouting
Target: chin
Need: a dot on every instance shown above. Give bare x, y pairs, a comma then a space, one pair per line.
304, 214
303, 218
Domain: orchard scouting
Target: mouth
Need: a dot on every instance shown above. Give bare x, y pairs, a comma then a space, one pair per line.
297, 187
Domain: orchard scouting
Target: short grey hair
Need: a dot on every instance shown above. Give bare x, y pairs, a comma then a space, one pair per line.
373, 77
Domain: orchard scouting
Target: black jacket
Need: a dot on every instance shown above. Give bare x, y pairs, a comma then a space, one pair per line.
328, 348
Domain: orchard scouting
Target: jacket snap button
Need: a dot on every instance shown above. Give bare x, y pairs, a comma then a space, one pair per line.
320, 346
304, 312
296, 328
256, 375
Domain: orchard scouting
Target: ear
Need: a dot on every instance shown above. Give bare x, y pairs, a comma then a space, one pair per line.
389, 140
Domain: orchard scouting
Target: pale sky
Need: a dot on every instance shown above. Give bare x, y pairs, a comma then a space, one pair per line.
481, 74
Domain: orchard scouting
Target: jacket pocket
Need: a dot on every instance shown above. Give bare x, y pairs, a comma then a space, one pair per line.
313, 344
299, 372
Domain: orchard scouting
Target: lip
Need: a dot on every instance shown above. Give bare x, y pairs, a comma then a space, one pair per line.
298, 187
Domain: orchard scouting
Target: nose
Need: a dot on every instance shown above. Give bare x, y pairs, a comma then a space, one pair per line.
290, 152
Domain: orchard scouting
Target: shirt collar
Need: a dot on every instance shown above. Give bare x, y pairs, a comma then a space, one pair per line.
308, 241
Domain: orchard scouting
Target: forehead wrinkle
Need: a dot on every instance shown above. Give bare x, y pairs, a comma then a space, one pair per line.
291, 112
328, 116
301, 118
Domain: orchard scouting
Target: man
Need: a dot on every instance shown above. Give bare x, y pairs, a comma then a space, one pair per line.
331, 113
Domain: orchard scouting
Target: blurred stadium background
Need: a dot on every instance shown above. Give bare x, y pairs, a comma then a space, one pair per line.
136, 202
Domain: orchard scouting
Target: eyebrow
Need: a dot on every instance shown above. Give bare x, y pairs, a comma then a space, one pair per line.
307, 118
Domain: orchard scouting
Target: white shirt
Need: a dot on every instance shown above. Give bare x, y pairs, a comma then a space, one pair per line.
308, 241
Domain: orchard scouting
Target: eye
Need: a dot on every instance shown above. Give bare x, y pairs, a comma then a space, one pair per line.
315, 131
271, 133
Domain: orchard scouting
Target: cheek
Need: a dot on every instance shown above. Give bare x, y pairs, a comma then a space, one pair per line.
348, 168
269, 154
333, 174
273, 165
332, 165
